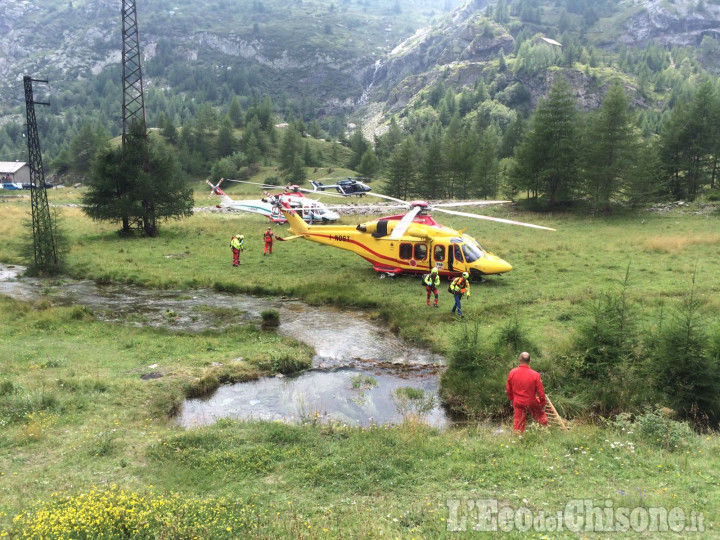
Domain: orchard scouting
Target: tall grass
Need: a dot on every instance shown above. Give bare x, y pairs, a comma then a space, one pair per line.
89, 421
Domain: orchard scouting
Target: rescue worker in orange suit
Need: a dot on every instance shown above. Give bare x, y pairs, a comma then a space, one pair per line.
237, 244
525, 391
268, 237
460, 286
432, 282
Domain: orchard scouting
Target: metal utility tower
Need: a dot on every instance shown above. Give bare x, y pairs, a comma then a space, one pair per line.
133, 100
44, 241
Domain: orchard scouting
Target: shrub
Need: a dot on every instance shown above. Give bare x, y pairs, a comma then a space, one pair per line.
270, 317
203, 386
513, 336
413, 404
287, 364
685, 364
6, 388
166, 403
655, 427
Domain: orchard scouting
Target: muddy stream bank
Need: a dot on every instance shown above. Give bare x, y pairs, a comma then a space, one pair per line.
357, 365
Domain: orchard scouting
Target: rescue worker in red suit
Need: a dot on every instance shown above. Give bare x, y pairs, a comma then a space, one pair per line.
268, 236
525, 391
432, 282
238, 245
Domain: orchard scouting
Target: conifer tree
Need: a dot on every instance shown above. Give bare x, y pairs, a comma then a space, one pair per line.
130, 184
235, 112
401, 169
611, 146
548, 154
430, 180
369, 164
226, 141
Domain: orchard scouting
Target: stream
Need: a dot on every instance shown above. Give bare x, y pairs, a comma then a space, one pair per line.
356, 368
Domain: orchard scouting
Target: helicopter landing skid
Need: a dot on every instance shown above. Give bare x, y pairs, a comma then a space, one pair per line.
387, 271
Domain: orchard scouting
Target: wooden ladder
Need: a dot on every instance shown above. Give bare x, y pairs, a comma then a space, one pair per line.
553, 415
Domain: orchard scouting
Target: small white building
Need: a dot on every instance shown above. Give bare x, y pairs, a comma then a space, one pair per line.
17, 172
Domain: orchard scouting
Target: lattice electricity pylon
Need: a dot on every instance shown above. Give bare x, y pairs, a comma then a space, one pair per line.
133, 96
44, 241
133, 99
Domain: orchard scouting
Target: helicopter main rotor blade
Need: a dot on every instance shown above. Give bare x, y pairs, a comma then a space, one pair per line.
351, 206
404, 223
253, 183
388, 197
499, 220
321, 193
467, 203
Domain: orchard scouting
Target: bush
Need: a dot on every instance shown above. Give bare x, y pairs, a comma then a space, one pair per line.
413, 404
203, 386
166, 403
6, 388
287, 365
270, 317
685, 364
513, 336
655, 427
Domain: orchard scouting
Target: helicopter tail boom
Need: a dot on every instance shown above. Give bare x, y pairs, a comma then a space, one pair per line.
297, 225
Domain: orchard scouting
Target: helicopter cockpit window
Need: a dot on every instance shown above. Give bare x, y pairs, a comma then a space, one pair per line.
420, 252
472, 253
439, 253
457, 252
406, 251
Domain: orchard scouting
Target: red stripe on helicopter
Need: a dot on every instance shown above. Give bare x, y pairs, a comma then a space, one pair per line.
329, 237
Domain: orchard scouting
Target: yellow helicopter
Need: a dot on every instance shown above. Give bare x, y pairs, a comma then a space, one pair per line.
411, 243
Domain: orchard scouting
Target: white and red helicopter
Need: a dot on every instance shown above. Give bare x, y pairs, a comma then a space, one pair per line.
309, 209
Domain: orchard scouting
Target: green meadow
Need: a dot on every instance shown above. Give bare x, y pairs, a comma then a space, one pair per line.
88, 449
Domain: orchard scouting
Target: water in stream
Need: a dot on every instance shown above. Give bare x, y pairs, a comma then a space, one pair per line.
357, 363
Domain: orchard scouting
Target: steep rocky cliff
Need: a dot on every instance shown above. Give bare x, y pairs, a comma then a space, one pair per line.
467, 44
339, 57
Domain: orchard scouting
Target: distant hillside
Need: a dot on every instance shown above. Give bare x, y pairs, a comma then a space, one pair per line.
347, 60
466, 45
297, 48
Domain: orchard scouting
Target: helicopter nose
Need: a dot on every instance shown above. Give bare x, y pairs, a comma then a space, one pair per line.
331, 216
494, 265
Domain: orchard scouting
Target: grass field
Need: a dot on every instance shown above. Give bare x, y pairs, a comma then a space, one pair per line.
87, 445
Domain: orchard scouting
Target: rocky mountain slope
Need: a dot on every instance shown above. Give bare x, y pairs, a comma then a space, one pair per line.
460, 48
342, 56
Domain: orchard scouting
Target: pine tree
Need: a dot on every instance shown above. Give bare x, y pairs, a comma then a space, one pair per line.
290, 148
548, 154
611, 147
226, 141
133, 184
401, 169
235, 112
369, 164
485, 167
359, 145
170, 132
687, 147
430, 180
85, 145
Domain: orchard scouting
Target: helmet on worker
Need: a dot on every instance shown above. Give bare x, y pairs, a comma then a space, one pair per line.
434, 271
466, 275
241, 237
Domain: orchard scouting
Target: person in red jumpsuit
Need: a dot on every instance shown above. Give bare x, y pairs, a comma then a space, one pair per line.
525, 391
268, 237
